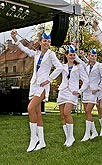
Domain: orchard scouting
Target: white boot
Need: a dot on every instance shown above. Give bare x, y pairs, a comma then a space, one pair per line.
87, 131
70, 137
34, 138
100, 120
94, 131
65, 132
41, 139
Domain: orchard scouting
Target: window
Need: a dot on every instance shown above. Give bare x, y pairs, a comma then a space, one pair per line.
14, 69
6, 69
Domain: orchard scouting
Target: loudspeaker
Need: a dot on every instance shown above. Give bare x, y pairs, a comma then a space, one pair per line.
59, 29
15, 101
77, 9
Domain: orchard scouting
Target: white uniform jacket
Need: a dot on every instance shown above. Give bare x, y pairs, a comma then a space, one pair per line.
95, 76
43, 73
77, 73
98, 35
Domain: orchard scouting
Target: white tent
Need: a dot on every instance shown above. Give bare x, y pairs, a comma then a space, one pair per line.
55, 4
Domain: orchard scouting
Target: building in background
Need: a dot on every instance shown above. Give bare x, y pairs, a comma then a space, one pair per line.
15, 66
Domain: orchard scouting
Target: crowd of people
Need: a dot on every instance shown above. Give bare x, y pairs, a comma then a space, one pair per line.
74, 69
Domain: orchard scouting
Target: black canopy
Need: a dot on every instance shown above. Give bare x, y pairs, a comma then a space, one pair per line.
39, 12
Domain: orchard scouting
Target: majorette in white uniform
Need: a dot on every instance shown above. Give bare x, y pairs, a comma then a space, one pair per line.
98, 35
41, 76
72, 84
95, 74
95, 81
69, 91
95, 84
43, 73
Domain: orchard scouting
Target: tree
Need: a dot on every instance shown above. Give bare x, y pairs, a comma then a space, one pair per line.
86, 37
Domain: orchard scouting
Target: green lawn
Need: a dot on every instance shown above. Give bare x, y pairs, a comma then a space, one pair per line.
14, 140
53, 107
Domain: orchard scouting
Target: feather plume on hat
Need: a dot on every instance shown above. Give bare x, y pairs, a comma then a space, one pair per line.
46, 35
93, 51
71, 49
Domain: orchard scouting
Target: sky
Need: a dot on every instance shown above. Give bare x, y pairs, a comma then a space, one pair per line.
27, 32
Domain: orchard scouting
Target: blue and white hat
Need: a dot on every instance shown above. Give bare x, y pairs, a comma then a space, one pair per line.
71, 49
93, 51
46, 36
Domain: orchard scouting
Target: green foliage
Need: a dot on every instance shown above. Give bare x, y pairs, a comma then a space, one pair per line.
100, 56
88, 43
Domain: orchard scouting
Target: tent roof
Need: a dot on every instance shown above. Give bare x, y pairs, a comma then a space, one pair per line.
60, 5
39, 12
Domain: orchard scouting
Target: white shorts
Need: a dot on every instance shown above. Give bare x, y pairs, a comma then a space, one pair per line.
99, 95
36, 90
88, 97
65, 96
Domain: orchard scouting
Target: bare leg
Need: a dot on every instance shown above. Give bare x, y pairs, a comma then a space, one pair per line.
100, 115
39, 115
85, 105
61, 108
100, 108
67, 113
34, 110
89, 108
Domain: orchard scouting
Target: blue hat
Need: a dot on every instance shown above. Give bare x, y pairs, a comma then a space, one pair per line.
93, 51
46, 36
71, 49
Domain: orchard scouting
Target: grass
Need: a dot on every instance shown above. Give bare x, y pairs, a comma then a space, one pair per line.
53, 107
14, 140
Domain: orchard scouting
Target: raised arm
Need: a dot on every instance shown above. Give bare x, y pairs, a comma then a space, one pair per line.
82, 56
100, 84
98, 32
95, 25
79, 60
23, 48
14, 35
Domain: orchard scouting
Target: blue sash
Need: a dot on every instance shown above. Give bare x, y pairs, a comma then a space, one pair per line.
69, 69
90, 68
39, 62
